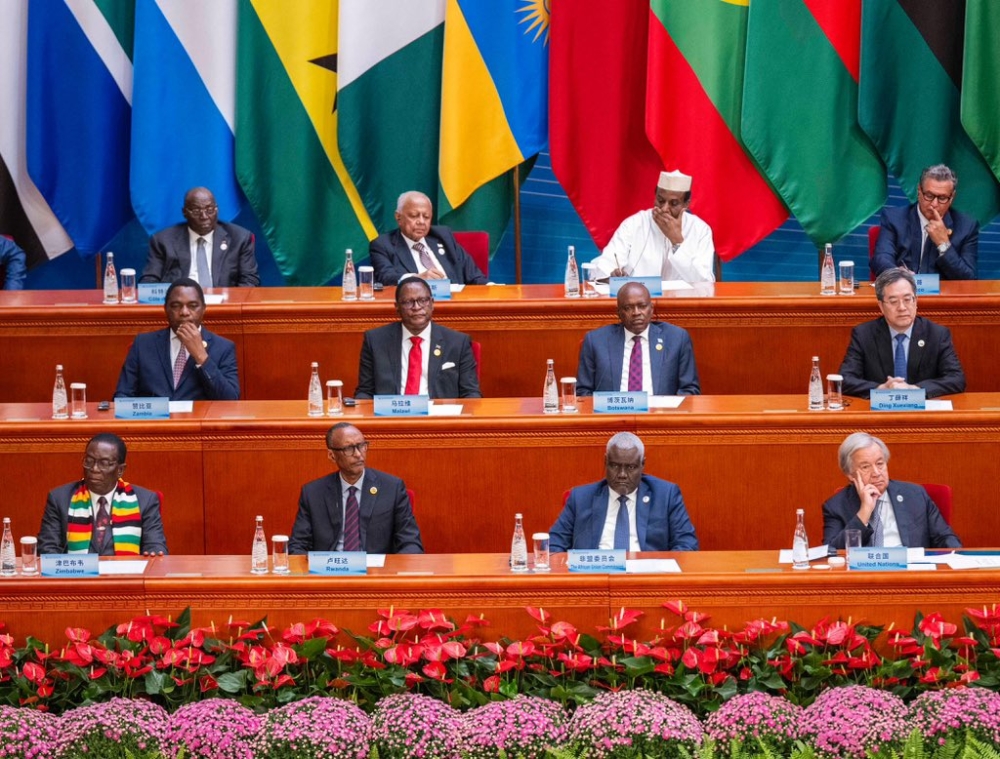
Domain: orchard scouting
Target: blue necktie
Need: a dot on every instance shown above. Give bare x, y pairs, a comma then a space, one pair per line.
622, 532
899, 363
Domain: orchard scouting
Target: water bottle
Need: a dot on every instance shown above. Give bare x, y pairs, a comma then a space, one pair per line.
8, 557
258, 554
572, 275
550, 392
518, 547
350, 284
828, 275
110, 280
315, 392
815, 387
800, 542
60, 402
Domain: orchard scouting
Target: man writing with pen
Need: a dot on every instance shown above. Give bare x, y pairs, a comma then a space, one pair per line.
665, 241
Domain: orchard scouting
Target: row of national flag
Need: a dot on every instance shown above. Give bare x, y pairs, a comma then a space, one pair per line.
317, 115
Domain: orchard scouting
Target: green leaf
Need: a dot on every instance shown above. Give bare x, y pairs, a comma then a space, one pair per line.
233, 682
155, 680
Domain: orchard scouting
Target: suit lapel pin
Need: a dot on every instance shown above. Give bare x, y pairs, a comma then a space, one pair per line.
373, 490
437, 351
224, 245
899, 498
645, 499
659, 345
204, 344
920, 343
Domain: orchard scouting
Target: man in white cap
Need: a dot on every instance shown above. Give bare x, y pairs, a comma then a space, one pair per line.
664, 241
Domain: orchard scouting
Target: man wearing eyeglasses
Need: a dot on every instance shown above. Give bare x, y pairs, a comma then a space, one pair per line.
102, 513
209, 251
415, 356
354, 508
901, 350
419, 249
665, 241
929, 236
627, 509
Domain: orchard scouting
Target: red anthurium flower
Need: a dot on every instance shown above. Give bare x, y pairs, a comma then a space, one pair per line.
435, 670
576, 661
521, 648
6, 657
988, 615
80, 654
970, 677
182, 681
159, 645
45, 690
508, 664
495, 648
404, 654
434, 619
207, 683
33, 672
696, 616
934, 626
454, 650
691, 658
413, 679
746, 673
539, 614
564, 630
294, 634
379, 627
96, 673
931, 676
283, 681
709, 638
195, 637
492, 684
677, 607
688, 631
321, 628
664, 668
77, 634
402, 621
622, 619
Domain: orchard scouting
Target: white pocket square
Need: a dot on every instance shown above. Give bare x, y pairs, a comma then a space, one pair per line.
448, 365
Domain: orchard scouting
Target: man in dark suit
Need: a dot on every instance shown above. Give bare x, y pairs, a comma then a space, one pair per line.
638, 353
184, 362
355, 508
418, 249
102, 513
414, 356
901, 349
888, 513
626, 509
213, 253
929, 236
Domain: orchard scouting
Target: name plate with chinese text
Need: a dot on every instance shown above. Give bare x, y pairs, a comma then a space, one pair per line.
881, 559
899, 400
338, 563
401, 405
69, 565
142, 408
621, 403
596, 560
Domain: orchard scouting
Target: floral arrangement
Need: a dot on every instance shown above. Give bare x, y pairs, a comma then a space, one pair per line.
106, 730
434, 683
314, 728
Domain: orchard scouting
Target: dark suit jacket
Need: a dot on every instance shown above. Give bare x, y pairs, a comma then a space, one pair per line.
12, 265
381, 372
391, 257
932, 363
233, 261
603, 350
55, 520
899, 244
149, 373
920, 523
386, 519
661, 522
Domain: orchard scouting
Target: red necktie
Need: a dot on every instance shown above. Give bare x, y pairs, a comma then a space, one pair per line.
352, 538
635, 365
182, 357
415, 368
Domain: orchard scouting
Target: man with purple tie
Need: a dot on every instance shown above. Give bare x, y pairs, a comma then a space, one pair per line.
354, 508
638, 353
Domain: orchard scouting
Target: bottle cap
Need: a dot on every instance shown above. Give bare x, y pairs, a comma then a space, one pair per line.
815, 358
516, 516
260, 518
315, 364
800, 511
59, 367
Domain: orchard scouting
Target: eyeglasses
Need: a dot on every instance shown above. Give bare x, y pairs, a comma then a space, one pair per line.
930, 197
201, 210
101, 465
350, 450
906, 300
409, 305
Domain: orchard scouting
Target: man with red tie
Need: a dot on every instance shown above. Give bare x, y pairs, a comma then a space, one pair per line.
638, 353
415, 356
354, 508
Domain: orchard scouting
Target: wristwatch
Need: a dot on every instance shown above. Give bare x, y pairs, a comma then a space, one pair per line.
943, 247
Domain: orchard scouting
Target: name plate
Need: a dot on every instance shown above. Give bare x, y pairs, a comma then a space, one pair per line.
153, 293
69, 565
596, 561
621, 403
653, 284
883, 559
142, 408
928, 284
401, 405
440, 288
899, 400
338, 563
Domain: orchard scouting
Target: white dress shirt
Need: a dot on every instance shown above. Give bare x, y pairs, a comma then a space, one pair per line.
647, 372
425, 351
608, 533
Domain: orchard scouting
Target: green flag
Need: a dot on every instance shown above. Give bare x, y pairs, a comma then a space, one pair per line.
981, 79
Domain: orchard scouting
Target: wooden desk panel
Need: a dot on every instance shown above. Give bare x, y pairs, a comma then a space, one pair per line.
749, 337
220, 588
744, 464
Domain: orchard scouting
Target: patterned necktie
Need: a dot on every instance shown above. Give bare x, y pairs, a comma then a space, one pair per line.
204, 270
352, 537
179, 362
878, 529
622, 531
635, 365
425, 257
102, 523
415, 368
899, 362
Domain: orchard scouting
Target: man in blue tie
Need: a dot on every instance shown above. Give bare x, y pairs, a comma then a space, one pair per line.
354, 508
627, 509
888, 512
901, 350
